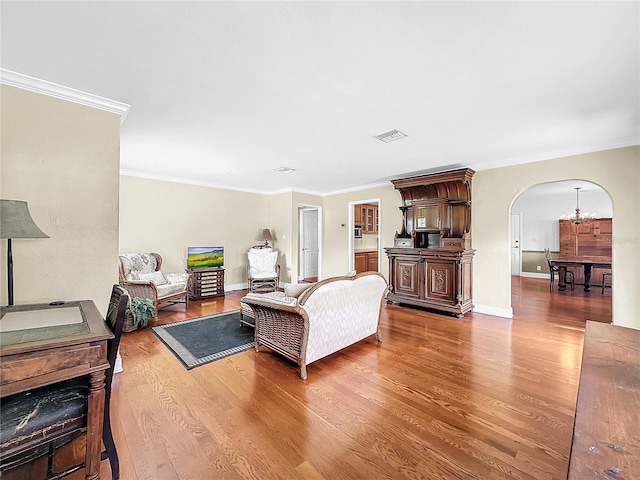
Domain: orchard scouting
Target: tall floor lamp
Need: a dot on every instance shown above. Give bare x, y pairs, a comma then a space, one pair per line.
16, 222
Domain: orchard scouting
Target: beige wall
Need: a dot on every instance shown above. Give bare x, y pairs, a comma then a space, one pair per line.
336, 237
167, 217
281, 223
64, 160
532, 259
617, 171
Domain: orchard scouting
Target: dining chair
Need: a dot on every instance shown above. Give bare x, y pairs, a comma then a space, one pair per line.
553, 270
606, 275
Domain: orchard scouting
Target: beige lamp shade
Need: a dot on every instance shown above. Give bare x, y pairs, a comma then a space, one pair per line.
16, 221
265, 235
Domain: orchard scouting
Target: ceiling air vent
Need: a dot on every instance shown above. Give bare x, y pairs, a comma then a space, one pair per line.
391, 136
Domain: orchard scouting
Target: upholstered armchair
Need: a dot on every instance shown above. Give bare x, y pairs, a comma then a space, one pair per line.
263, 271
142, 276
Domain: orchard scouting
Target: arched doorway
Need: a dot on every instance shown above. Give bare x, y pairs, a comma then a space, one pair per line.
537, 212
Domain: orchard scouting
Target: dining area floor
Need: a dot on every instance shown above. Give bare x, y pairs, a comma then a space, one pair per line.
573, 307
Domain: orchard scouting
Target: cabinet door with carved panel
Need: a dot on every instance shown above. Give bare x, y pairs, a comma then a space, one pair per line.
406, 276
439, 281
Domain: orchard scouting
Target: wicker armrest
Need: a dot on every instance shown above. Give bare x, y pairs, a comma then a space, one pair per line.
142, 289
281, 326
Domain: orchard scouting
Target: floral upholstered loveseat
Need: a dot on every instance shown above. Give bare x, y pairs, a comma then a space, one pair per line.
328, 316
141, 275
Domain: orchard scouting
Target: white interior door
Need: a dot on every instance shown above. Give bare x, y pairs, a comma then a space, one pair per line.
516, 258
310, 243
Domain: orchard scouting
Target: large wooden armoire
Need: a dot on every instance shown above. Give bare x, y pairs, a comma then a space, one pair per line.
430, 264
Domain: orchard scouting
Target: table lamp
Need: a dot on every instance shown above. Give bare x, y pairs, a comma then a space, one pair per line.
16, 222
265, 236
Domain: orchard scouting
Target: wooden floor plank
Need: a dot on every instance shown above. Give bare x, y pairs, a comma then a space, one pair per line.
439, 398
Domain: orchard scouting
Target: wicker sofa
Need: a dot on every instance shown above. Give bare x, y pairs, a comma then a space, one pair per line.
328, 316
141, 275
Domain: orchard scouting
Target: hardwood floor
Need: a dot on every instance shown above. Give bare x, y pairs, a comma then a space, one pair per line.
440, 398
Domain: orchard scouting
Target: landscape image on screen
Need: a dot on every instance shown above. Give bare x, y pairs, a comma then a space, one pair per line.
205, 257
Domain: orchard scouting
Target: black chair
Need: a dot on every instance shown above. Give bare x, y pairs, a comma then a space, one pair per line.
63, 405
553, 270
116, 313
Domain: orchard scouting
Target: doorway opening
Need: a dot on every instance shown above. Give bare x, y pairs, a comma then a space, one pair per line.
310, 243
537, 224
364, 237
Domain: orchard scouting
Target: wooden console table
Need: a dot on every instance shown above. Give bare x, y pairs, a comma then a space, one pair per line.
606, 435
207, 283
45, 344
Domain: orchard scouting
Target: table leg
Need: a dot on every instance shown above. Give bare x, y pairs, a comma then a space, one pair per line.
95, 412
587, 277
562, 274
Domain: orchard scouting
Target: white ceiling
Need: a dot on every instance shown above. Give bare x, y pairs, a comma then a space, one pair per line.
223, 93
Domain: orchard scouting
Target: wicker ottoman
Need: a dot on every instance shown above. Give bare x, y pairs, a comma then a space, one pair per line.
246, 315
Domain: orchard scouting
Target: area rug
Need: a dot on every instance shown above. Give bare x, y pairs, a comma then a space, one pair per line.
206, 339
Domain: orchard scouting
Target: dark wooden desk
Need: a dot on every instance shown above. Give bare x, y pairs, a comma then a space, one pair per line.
35, 357
606, 434
588, 263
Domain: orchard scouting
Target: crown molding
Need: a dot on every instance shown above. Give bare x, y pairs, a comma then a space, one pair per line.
358, 188
188, 181
44, 87
200, 183
557, 154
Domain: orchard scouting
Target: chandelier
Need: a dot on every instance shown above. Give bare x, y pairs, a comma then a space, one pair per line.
577, 217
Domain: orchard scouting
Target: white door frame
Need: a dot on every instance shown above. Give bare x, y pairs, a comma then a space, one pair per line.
518, 270
301, 209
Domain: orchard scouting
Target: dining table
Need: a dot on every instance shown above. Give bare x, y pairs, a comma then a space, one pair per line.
588, 263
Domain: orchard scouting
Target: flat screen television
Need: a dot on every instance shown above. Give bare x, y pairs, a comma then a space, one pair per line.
205, 257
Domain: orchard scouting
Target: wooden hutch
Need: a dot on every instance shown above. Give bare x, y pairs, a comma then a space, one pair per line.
590, 239
430, 263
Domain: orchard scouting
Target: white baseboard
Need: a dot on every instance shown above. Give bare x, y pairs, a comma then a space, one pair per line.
237, 286
117, 368
535, 275
495, 311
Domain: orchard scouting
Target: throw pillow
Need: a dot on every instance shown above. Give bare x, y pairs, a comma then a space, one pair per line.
133, 275
296, 289
262, 263
155, 277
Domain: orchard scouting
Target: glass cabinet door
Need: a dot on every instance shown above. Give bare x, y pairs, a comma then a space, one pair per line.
427, 216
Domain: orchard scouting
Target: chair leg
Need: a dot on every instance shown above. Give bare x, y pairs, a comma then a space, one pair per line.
604, 277
109, 444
